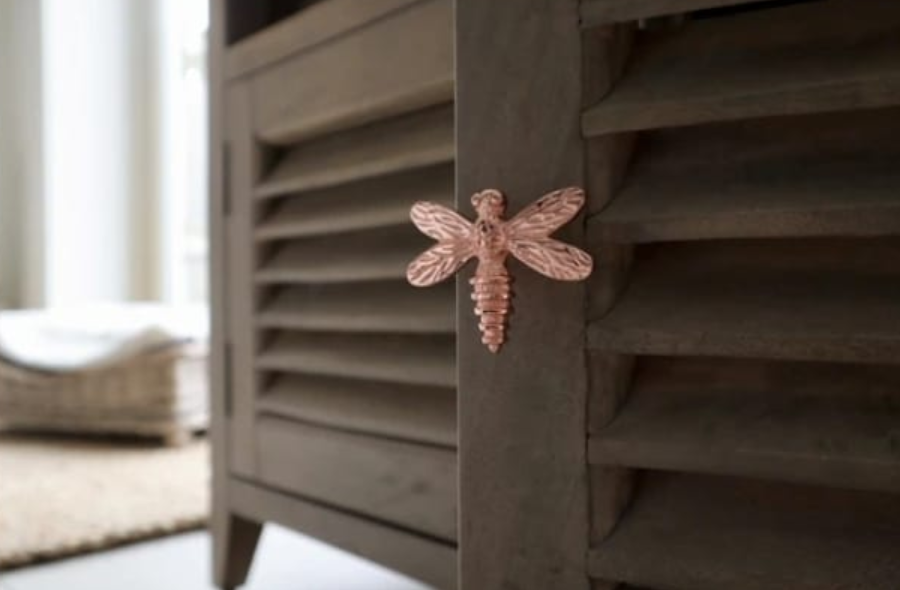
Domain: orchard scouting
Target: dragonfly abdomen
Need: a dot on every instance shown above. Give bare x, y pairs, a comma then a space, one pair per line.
491, 294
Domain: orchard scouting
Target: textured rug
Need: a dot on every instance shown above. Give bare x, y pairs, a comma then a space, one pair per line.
62, 496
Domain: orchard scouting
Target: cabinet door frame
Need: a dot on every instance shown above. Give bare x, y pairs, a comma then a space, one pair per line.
524, 492
244, 162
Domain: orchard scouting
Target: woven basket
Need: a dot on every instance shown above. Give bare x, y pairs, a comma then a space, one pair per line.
162, 393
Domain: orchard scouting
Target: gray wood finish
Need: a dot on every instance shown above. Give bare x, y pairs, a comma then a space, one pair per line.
710, 533
409, 412
410, 485
411, 359
598, 12
754, 244
796, 59
350, 207
819, 175
524, 518
245, 161
427, 559
223, 554
393, 65
374, 255
341, 376
788, 299
317, 24
234, 538
609, 373
387, 307
416, 141
819, 423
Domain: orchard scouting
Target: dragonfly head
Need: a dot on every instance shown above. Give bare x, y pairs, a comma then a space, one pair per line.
489, 204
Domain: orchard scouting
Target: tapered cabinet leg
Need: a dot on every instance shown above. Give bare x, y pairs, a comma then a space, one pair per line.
234, 543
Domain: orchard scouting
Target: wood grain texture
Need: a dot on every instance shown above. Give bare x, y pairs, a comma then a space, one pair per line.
787, 299
374, 255
424, 558
410, 412
303, 31
409, 485
819, 175
709, 533
833, 425
246, 161
233, 538
369, 204
793, 60
389, 307
524, 520
421, 360
600, 12
396, 64
606, 53
406, 143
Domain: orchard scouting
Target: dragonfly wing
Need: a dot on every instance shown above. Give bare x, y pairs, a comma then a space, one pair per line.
547, 214
438, 263
553, 258
441, 223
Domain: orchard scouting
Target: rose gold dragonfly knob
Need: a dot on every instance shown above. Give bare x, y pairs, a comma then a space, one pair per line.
491, 239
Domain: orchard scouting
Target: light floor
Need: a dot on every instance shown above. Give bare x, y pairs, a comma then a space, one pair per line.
284, 561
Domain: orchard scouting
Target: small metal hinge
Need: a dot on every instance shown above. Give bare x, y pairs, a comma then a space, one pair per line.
228, 366
226, 179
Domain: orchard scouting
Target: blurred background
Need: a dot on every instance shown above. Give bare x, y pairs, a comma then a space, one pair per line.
103, 306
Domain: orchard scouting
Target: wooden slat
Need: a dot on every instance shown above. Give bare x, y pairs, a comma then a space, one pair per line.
369, 204
833, 300
363, 256
244, 168
525, 517
410, 485
425, 360
417, 413
793, 60
818, 423
599, 12
816, 175
396, 64
392, 307
415, 141
423, 558
708, 533
303, 31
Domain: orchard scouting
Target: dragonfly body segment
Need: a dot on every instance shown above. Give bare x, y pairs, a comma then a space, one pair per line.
491, 239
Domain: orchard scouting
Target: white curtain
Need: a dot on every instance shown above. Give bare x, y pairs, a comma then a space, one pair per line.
97, 186
21, 195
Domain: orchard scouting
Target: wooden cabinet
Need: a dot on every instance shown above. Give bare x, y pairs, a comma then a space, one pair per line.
336, 380
715, 408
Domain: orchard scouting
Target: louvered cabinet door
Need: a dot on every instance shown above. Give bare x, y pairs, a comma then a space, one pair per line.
342, 375
757, 335
737, 368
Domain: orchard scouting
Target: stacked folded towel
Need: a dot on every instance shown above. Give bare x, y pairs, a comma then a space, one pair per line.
96, 336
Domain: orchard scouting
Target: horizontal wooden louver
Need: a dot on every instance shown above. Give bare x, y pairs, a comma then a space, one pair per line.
711, 533
410, 485
745, 341
793, 60
411, 412
820, 175
341, 389
356, 367
399, 62
834, 300
821, 423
